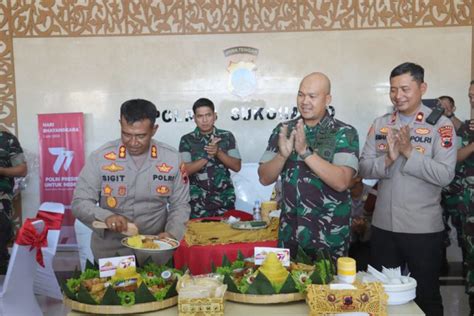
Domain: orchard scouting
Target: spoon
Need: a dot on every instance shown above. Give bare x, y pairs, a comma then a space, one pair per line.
132, 229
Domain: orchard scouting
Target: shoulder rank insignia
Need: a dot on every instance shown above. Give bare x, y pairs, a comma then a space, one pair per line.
384, 130
446, 133
422, 131
113, 167
110, 156
393, 118
184, 173
419, 117
107, 190
164, 168
111, 202
122, 152
154, 151
162, 189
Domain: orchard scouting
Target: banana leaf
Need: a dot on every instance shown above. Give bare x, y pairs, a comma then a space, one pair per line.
261, 285
77, 273
91, 265
83, 296
289, 286
170, 263
231, 286
143, 295
225, 261
110, 297
172, 290
67, 291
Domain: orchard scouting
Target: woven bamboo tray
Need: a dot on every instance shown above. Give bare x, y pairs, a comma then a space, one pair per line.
118, 309
264, 299
201, 306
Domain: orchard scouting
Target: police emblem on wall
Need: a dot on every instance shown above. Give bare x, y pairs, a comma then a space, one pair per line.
242, 70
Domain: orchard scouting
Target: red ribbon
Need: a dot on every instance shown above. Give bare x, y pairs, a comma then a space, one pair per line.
51, 220
28, 236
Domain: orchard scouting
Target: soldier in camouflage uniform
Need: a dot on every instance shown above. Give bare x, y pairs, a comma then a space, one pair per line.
316, 157
451, 194
209, 153
12, 164
466, 156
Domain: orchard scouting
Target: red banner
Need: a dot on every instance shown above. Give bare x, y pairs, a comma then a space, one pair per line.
61, 141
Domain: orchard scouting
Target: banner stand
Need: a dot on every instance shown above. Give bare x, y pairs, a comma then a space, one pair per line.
61, 158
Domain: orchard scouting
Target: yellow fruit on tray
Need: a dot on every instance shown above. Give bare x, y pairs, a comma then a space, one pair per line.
273, 269
135, 241
127, 274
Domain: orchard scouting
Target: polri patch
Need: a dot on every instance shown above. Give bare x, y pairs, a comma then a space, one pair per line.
164, 168
446, 134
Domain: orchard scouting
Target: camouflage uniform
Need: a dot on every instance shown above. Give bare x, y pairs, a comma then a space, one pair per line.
451, 196
466, 206
211, 189
314, 216
11, 155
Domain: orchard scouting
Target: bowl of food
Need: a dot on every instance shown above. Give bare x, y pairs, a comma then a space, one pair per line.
401, 292
150, 243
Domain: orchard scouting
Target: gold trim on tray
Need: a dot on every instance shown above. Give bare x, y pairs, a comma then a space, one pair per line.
264, 299
120, 310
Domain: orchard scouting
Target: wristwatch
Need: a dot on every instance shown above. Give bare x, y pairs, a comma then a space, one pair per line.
307, 153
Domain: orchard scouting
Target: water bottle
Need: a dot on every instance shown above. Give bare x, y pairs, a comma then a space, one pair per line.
257, 215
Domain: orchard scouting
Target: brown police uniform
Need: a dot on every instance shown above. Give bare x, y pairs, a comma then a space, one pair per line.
155, 196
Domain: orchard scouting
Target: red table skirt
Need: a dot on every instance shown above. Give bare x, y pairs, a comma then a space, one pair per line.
199, 259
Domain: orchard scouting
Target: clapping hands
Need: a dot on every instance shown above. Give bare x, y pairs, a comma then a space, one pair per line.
296, 141
398, 142
213, 147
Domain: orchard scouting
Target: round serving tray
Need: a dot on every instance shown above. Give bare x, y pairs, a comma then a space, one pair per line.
264, 299
120, 310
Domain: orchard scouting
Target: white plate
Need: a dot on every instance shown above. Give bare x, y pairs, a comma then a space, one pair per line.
165, 244
248, 225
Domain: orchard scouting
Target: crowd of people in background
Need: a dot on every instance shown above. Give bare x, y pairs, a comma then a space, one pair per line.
423, 164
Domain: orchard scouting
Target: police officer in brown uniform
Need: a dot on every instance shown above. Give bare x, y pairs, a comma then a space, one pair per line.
413, 154
133, 179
